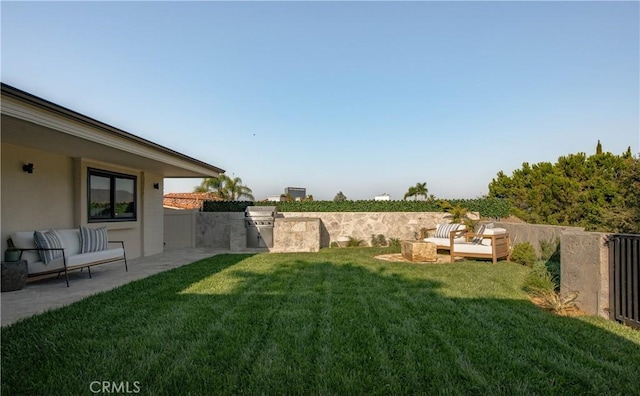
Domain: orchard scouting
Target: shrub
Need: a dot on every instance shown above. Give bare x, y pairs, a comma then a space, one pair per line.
378, 240
354, 242
487, 207
550, 250
554, 302
540, 280
524, 253
554, 269
394, 242
544, 287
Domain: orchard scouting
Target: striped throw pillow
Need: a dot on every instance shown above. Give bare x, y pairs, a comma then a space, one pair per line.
443, 230
48, 240
477, 239
93, 239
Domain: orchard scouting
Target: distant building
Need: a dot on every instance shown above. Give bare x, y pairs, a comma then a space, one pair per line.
383, 197
297, 193
273, 198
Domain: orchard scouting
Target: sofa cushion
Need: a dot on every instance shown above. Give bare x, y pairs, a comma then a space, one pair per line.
477, 239
48, 240
494, 231
469, 247
444, 230
87, 258
444, 242
78, 259
24, 240
93, 239
70, 241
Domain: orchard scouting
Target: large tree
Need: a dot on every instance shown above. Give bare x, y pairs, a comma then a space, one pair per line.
596, 192
420, 189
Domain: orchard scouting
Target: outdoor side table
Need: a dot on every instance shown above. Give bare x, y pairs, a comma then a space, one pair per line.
13, 275
419, 251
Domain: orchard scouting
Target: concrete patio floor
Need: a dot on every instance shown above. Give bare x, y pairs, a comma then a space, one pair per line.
51, 293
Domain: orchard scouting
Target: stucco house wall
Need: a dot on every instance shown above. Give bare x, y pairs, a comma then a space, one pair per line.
55, 196
62, 145
41, 200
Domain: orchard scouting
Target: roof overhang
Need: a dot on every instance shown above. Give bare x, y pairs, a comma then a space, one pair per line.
35, 123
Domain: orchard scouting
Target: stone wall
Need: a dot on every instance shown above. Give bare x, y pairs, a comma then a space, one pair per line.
585, 270
296, 234
534, 233
213, 229
361, 225
225, 230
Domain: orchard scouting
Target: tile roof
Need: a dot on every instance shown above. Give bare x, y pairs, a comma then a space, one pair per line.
188, 200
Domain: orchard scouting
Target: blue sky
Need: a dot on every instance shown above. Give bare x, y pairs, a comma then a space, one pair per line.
360, 97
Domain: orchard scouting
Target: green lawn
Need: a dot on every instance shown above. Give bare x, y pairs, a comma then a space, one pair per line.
336, 322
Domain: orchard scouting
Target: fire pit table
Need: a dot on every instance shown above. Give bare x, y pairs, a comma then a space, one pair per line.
419, 251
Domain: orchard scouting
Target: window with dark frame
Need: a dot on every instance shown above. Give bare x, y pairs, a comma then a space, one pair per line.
111, 196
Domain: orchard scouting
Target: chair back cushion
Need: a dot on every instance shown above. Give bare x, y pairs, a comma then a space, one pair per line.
477, 239
444, 230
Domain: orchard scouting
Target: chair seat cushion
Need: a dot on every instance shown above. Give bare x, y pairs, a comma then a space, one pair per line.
443, 241
470, 247
75, 260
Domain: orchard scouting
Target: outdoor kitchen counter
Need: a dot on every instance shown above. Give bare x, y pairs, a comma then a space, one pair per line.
296, 234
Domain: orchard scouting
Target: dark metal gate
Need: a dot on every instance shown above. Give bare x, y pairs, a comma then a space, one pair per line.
624, 278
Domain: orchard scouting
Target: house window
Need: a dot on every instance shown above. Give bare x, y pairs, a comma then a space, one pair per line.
112, 196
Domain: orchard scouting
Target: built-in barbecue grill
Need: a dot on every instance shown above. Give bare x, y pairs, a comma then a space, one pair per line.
258, 221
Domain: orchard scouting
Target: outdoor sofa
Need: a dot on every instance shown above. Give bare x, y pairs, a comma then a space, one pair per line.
491, 243
447, 234
488, 242
60, 251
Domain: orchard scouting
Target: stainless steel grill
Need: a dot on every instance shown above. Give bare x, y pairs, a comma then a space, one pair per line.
258, 221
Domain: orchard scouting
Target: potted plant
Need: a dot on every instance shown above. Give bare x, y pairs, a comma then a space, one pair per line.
12, 254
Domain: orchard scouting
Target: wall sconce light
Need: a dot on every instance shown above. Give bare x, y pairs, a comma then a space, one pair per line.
28, 168
156, 186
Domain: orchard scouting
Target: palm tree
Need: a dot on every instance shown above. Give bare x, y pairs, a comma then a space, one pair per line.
234, 189
211, 185
457, 213
417, 190
411, 192
421, 189
225, 187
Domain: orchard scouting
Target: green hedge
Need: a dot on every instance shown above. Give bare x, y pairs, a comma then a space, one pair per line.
488, 207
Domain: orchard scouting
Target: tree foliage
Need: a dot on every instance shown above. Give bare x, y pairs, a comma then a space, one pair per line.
420, 189
225, 187
597, 192
340, 197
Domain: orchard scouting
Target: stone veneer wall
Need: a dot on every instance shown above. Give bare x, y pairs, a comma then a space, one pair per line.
296, 234
215, 230
361, 225
225, 230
